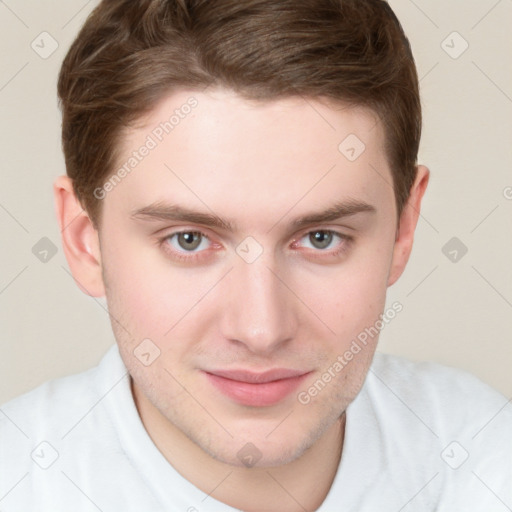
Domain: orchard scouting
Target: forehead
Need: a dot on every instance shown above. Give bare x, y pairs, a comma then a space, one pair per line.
206, 148
211, 115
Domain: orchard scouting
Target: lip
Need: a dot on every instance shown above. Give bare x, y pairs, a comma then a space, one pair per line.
257, 389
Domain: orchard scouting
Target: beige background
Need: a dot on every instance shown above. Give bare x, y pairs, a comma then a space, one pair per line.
456, 313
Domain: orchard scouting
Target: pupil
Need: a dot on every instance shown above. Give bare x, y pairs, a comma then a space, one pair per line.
321, 239
189, 240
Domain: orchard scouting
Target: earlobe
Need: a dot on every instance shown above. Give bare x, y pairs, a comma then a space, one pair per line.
407, 225
80, 239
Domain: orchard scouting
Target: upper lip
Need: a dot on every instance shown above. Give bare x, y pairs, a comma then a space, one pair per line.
258, 377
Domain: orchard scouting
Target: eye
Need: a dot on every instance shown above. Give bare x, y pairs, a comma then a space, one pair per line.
188, 241
323, 239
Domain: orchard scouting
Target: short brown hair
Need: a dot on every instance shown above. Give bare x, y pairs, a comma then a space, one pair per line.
132, 53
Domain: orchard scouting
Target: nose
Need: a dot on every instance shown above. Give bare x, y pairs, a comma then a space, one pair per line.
261, 310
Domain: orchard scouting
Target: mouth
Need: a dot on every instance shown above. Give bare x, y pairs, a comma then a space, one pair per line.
256, 389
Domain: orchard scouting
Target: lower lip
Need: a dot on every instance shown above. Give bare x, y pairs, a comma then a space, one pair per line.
256, 395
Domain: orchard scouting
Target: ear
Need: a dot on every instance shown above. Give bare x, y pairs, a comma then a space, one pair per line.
407, 225
80, 239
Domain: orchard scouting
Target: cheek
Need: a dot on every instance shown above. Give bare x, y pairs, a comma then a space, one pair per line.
158, 299
349, 297
154, 298
136, 288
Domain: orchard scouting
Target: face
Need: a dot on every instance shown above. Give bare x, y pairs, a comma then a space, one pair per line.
242, 254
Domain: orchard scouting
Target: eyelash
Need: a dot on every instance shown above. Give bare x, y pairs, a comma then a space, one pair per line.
346, 240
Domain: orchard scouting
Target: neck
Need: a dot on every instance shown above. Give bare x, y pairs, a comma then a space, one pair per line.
301, 484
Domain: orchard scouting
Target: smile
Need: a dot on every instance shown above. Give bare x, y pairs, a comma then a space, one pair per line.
256, 389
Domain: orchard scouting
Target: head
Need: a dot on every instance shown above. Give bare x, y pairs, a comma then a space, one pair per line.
242, 187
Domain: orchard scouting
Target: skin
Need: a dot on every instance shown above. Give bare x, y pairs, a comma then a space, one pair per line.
298, 305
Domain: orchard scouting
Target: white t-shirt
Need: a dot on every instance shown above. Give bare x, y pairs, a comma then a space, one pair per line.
419, 437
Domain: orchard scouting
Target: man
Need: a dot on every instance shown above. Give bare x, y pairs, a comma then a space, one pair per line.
242, 186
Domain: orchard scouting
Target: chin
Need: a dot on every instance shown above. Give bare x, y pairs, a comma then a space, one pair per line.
252, 455
263, 450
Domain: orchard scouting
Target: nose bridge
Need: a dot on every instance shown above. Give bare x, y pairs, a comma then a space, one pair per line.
261, 312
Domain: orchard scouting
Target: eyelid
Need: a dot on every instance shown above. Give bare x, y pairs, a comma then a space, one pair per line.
344, 238
183, 256
170, 231
190, 256
201, 232
202, 238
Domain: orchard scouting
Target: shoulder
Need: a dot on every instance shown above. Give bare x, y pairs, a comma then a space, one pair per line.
449, 398
428, 374
64, 436
34, 425
458, 426
46, 399
433, 384
48, 404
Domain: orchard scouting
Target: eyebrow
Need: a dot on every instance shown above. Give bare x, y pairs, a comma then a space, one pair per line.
160, 211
